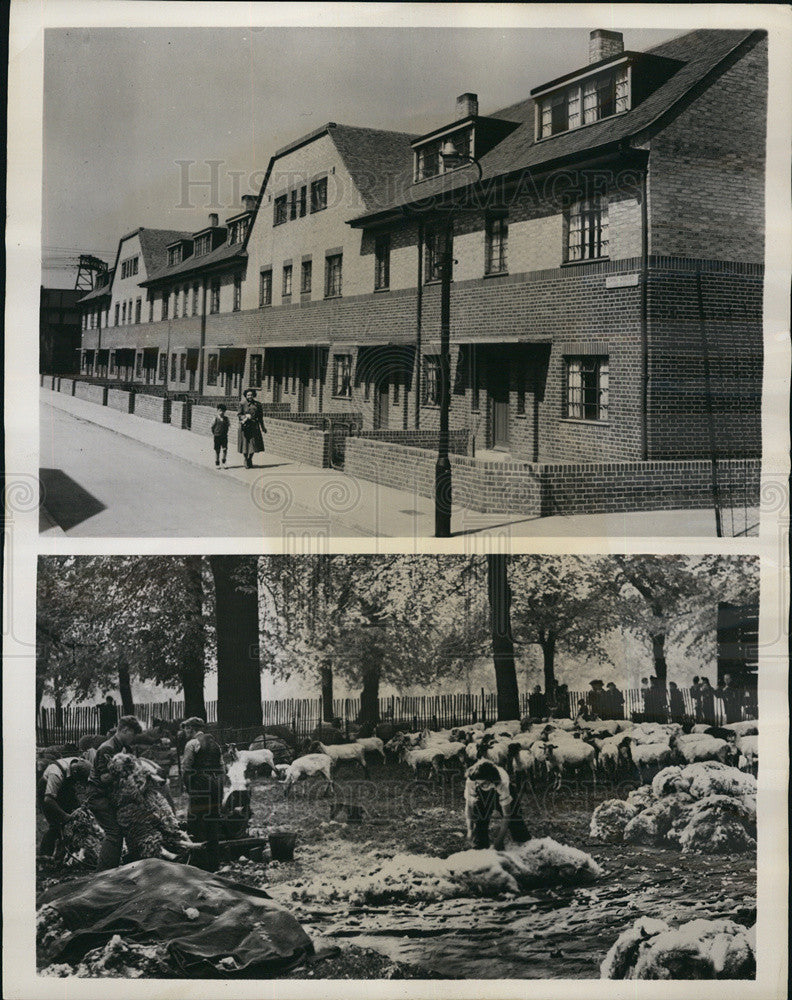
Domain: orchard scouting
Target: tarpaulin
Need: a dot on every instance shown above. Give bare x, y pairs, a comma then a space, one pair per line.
203, 918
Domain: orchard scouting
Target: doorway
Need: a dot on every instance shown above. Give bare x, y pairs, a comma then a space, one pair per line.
381, 403
499, 395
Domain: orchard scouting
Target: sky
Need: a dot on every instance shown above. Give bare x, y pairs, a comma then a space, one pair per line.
122, 107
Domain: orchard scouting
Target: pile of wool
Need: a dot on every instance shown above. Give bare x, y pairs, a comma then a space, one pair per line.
707, 806
119, 959
80, 839
699, 949
50, 933
411, 878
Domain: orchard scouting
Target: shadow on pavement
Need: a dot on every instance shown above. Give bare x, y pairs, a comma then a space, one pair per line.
67, 502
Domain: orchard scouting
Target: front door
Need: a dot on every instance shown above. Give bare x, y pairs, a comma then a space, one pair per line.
302, 390
276, 380
500, 416
381, 404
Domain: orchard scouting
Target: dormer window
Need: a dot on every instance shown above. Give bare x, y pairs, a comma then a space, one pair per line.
588, 100
237, 231
429, 162
174, 255
203, 244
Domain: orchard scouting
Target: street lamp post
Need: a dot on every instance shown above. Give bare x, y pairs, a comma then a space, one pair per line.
443, 485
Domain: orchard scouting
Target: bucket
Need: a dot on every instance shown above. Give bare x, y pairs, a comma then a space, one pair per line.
282, 846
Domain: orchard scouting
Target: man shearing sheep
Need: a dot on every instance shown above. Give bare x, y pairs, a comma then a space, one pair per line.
488, 792
57, 797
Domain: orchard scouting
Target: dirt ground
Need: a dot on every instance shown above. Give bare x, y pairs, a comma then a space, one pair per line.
552, 933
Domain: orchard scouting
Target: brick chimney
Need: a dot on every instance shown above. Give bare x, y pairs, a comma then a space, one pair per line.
248, 202
605, 45
213, 219
467, 105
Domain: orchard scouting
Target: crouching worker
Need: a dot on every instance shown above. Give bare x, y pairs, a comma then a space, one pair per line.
488, 792
57, 797
203, 775
100, 799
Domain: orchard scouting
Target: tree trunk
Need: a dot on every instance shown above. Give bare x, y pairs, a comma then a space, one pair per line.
548, 661
192, 671
238, 662
502, 642
125, 689
326, 676
658, 652
369, 696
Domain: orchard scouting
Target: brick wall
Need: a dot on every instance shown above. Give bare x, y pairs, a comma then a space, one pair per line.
66, 385
93, 393
705, 362
120, 399
458, 440
706, 174
180, 414
298, 442
202, 418
152, 407
536, 490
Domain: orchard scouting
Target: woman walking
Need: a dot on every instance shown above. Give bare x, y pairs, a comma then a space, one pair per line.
250, 438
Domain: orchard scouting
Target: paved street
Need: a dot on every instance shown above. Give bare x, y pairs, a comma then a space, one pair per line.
115, 474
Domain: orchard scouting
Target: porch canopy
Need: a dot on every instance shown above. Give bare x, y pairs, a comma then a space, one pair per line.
483, 359
386, 358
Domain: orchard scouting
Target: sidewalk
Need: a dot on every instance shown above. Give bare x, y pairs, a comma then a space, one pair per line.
302, 494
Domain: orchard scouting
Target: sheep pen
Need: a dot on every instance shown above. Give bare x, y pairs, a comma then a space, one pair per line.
539, 929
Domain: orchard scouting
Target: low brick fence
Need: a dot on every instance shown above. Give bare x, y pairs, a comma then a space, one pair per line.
538, 490
298, 442
66, 385
120, 399
180, 414
91, 393
152, 407
201, 419
458, 440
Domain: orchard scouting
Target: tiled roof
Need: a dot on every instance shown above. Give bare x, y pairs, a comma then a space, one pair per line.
154, 243
374, 158
102, 289
226, 252
699, 52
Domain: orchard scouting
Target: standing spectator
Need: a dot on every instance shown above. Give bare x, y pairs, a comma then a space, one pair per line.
108, 715
57, 797
732, 697
203, 775
220, 427
676, 703
251, 427
646, 697
537, 703
659, 699
99, 800
695, 695
707, 695
562, 701
596, 700
583, 713
615, 701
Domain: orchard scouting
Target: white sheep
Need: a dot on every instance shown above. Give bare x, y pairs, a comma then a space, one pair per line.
571, 755
343, 753
372, 744
252, 758
749, 749
433, 756
650, 756
699, 747
310, 765
613, 751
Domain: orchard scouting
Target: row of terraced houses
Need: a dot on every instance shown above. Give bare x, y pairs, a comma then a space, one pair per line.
606, 298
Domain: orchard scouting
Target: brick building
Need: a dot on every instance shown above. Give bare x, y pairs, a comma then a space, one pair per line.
606, 303
59, 329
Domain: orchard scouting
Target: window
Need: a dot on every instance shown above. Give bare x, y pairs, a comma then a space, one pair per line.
237, 231
431, 381
396, 389
214, 305
123, 312
195, 300
382, 261
319, 195
237, 292
138, 309
174, 255
151, 307
129, 267
211, 369
203, 244
182, 367
293, 205
287, 280
342, 375
433, 255
116, 314
139, 365
367, 390
602, 96
587, 388
497, 242
333, 275
265, 288
305, 277
175, 303
255, 370
173, 367
129, 313
587, 230
163, 367
113, 365
279, 216
165, 303
428, 162
303, 200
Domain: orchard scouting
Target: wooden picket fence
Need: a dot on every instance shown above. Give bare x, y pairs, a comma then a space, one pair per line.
442, 711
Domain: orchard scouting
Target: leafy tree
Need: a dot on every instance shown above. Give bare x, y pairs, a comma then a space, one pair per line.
500, 598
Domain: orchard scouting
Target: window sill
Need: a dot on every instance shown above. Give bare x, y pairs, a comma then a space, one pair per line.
337, 296
588, 260
496, 274
384, 288
587, 423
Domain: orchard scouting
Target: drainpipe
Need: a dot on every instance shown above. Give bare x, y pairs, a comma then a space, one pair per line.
202, 341
644, 317
418, 321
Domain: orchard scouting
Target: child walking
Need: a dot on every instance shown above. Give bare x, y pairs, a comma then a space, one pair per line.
220, 427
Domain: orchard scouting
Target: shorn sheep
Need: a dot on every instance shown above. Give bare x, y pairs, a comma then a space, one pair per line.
310, 765
342, 753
